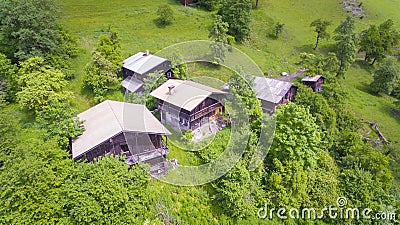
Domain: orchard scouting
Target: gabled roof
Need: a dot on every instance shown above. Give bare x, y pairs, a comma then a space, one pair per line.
132, 84
142, 63
271, 90
110, 118
312, 79
185, 94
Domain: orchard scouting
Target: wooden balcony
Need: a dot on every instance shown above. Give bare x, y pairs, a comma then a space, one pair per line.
205, 111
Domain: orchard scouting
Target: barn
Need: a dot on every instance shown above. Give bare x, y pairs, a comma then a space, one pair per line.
314, 82
136, 67
120, 128
273, 92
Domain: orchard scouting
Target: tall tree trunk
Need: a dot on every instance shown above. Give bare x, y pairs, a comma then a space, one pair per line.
339, 72
373, 62
316, 43
366, 58
257, 4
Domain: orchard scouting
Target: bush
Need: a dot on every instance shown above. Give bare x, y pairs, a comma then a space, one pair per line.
165, 15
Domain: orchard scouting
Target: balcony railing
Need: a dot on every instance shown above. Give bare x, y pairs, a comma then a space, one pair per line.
205, 111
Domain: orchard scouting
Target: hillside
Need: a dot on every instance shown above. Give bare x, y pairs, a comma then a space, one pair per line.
324, 151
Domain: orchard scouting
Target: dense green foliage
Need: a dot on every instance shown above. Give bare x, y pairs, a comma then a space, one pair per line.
7, 77
378, 40
387, 77
30, 28
103, 70
218, 33
39, 84
237, 13
151, 82
346, 45
320, 26
321, 150
165, 15
60, 121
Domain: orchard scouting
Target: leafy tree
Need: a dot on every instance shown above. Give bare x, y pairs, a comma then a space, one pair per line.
102, 72
346, 44
30, 181
387, 77
320, 28
218, 33
286, 183
165, 15
242, 88
237, 13
151, 82
179, 67
325, 116
237, 192
218, 30
378, 40
297, 136
60, 121
371, 44
211, 4
7, 76
106, 192
318, 64
30, 28
362, 190
389, 35
40, 84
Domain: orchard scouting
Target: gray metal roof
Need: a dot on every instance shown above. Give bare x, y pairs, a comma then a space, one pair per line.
271, 90
141, 63
311, 79
185, 94
132, 84
111, 118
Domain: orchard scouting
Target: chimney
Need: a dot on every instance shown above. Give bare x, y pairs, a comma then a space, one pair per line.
147, 53
170, 89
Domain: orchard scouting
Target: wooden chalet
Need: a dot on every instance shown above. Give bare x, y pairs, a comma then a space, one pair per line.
188, 105
136, 67
120, 128
273, 92
314, 82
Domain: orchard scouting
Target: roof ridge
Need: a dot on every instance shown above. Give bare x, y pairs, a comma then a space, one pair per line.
113, 112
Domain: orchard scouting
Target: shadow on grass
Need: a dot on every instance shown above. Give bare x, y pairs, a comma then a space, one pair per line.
309, 48
326, 48
359, 63
161, 24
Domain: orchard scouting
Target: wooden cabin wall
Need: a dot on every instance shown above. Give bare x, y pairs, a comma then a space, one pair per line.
139, 143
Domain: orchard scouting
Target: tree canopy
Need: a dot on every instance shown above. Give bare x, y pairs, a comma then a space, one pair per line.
30, 28
103, 70
346, 45
165, 15
320, 26
39, 84
386, 77
237, 13
376, 41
